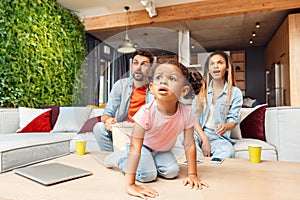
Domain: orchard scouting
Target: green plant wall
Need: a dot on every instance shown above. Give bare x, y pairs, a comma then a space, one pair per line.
41, 51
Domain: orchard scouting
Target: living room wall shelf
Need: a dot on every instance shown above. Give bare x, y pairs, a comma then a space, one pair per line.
239, 64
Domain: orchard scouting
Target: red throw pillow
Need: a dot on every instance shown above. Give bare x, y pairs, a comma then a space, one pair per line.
34, 120
253, 126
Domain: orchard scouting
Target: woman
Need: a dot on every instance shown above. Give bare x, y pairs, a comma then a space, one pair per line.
217, 108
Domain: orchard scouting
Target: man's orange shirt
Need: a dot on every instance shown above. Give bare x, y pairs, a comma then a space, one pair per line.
137, 99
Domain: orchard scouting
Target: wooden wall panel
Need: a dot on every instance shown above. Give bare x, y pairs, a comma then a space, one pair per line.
284, 48
278, 46
294, 44
276, 51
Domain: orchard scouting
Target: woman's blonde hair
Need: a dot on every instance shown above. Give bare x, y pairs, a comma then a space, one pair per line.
229, 77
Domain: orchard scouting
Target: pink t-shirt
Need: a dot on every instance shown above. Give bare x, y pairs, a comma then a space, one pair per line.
161, 131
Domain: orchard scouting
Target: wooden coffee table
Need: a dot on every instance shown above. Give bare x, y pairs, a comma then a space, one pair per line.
233, 179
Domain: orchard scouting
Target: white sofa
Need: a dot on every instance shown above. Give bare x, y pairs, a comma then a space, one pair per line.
16, 150
281, 133
253, 119
269, 151
20, 149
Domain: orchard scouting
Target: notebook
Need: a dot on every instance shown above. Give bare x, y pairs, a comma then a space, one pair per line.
52, 173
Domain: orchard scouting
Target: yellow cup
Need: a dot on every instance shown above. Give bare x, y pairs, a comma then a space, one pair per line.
254, 153
80, 147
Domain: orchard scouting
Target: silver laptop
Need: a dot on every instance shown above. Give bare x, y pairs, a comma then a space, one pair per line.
49, 174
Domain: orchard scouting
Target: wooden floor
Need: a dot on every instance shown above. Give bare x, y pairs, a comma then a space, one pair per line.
233, 179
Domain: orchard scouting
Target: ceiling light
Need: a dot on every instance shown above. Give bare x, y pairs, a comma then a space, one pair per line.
253, 34
257, 25
126, 46
193, 46
251, 41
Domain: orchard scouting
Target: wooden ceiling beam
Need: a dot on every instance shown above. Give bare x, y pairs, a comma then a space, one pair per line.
187, 12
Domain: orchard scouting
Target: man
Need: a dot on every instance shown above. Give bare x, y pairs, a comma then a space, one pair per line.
125, 99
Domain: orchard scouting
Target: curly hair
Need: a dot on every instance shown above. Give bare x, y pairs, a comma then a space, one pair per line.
192, 78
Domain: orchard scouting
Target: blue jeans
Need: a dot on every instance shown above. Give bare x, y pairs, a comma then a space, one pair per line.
153, 164
219, 146
103, 137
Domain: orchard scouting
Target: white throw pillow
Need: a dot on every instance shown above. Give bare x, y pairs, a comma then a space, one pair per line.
71, 119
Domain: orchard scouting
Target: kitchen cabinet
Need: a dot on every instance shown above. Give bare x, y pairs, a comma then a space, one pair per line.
284, 48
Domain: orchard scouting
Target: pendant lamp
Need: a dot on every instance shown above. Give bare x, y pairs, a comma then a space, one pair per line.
126, 47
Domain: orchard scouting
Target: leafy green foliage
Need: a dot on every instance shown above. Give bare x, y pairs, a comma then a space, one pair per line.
41, 51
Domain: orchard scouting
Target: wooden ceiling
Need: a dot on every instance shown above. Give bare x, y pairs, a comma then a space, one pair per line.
212, 23
188, 12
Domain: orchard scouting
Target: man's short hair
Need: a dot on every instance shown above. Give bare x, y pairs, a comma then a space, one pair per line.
142, 52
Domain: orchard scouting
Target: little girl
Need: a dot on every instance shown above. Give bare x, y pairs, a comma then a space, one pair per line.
157, 125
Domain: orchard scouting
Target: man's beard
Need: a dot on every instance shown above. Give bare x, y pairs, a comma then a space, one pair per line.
138, 77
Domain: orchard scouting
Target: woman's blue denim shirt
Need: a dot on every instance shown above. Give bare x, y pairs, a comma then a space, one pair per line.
220, 116
119, 99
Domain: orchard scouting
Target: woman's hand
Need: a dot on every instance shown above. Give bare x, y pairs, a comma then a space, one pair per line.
141, 191
205, 147
194, 182
220, 129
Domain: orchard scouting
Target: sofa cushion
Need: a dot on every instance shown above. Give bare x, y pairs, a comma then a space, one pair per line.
91, 142
253, 123
34, 120
9, 120
17, 150
71, 119
268, 152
